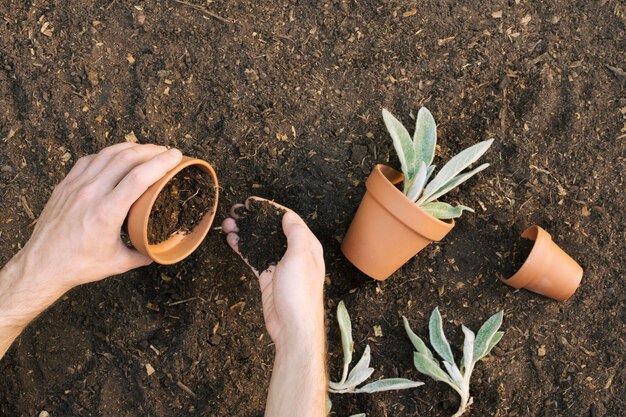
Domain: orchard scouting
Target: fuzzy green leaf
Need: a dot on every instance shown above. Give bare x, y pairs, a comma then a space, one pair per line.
429, 366
345, 328
457, 164
444, 211
361, 370
329, 405
419, 344
425, 137
468, 351
486, 334
404, 146
494, 341
388, 385
438, 338
453, 183
417, 186
359, 415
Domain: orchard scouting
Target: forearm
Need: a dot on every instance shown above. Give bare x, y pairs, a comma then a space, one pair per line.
21, 298
299, 380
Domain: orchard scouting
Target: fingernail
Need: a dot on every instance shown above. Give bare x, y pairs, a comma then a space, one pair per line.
175, 153
290, 217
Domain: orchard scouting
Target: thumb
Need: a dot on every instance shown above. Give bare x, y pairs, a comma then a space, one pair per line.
131, 259
296, 231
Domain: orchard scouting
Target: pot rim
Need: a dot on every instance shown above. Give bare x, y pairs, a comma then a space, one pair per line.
524, 274
399, 206
152, 250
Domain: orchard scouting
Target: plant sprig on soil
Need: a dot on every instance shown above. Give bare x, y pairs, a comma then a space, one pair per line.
416, 156
475, 347
351, 379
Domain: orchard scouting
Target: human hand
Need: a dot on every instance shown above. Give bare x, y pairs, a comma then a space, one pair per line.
292, 290
77, 236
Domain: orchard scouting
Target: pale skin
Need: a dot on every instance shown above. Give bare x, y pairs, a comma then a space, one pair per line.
82, 222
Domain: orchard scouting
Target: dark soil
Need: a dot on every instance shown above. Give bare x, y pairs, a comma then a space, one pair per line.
261, 238
181, 205
284, 99
513, 260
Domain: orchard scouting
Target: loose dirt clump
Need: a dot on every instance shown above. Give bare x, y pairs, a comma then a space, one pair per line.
261, 238
181, 205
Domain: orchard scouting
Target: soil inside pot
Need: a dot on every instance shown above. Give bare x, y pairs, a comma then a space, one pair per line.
181, 205
261, 238
517, 256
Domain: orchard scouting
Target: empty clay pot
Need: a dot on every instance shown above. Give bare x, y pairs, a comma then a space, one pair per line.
548, 270
388, 228
178, 246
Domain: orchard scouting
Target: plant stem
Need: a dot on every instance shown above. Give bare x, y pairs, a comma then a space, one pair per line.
466, 401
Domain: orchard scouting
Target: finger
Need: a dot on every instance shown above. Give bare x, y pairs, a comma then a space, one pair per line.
131, 259
123, 162
102, 158
233, 241
229, 225
137, 181
255, 198
233, 210
79, 167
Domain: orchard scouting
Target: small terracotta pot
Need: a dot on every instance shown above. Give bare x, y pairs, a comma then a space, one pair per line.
388, 228
548, 270
178, 246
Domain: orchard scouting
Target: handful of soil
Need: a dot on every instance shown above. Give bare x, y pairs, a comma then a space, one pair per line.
181, 205
261, 238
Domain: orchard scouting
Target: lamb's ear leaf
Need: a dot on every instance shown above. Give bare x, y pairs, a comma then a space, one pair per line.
444, 211
438, 338
362, 364
429, 366
329, 405
454, 373
388, 385
417, 186
455, 165
468, 350
486, 334
357, 378
345, 328
425, 137
453, 183
419, 344
403, 144
359, 415
494, 341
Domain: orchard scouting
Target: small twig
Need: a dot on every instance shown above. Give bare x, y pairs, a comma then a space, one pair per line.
194, 194
186, 389
26, 207
205, 11
616, 71
181, 301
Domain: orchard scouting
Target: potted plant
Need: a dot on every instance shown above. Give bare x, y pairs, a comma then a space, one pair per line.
392, 224
170, 220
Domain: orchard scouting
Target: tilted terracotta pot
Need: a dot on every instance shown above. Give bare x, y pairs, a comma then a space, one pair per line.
178, 246
548, 270
388, 228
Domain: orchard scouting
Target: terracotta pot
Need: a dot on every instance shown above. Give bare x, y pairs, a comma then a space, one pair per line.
548, 270
178, 246
388, 228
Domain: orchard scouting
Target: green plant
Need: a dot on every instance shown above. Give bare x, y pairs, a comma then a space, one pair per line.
475, 347
416, 156
350, 379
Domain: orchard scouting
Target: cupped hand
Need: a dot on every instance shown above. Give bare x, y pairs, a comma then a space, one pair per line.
291, 290
77, 236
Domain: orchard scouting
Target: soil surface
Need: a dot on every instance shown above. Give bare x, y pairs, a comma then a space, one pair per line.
261, 238
284, 99
181, 204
